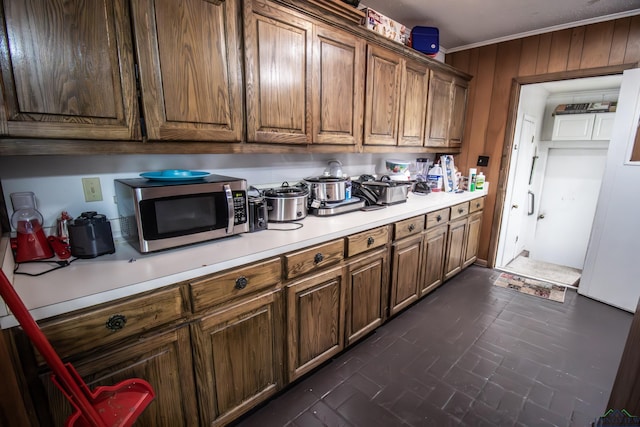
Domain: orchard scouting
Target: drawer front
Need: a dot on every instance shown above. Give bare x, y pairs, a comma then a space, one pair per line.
219, 288
459, 210
437, 217
409, 227
113, 322
476, 205
370, 239
314, 258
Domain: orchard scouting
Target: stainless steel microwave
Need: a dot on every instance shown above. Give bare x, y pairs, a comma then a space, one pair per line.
156, 215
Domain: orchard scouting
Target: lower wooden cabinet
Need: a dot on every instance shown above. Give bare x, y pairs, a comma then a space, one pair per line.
435, 243
315, 320
455, 247
367, 280
164, 360
238, 357
472, 239
405, 272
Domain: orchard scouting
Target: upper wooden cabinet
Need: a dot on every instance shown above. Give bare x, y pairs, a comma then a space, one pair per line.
190, 69
382, 102
305, 82
278, 71
67, 70
396, 100
413, 104
338, 87
447, 107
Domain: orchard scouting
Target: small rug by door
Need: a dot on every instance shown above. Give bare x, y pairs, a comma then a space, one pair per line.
531, 287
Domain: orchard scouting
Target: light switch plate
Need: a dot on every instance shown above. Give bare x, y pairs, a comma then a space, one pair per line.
92, 189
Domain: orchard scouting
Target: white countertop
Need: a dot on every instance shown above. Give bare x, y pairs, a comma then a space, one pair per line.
87, 282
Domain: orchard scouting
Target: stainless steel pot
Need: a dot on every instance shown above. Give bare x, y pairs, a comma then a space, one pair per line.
327, 188
286, 203
389, 192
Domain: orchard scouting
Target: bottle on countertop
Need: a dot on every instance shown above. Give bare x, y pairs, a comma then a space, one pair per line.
480, 181
472, 179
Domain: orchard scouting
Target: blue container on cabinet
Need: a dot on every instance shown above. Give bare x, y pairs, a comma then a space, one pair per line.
425, 40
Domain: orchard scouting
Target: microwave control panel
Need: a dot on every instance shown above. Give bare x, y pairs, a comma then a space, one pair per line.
240, 207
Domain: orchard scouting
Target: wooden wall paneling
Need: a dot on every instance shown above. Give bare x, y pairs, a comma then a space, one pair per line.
470, 60
529, 56
597, 42
542, 63
632, 52
559, 51
508, 58
619, 41
575, 50
478, 105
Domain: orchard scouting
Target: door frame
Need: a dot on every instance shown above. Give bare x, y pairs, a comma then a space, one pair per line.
509, 136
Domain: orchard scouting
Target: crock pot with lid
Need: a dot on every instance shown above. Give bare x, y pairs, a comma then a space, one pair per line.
286, 203
327, 188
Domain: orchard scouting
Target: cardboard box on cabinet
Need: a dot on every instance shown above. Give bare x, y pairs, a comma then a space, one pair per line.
385, 26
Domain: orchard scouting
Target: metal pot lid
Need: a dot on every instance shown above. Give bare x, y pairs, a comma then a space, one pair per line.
284, 192
323, 179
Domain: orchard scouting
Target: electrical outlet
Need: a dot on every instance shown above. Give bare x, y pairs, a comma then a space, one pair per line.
92, 190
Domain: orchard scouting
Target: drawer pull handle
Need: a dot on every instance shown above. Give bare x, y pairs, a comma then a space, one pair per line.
460, 210
412, 227
370, 241
241, 282
318, 258
439, 218
116, 322
477, 205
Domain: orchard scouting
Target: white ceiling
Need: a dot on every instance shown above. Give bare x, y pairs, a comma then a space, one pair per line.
464, 24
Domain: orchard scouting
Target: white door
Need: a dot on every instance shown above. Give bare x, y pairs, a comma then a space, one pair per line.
612, 266
567, 205
523, 152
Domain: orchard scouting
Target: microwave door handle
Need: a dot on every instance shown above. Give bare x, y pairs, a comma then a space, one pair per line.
231, 213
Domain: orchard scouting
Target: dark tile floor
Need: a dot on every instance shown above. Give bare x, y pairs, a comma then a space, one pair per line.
468, 354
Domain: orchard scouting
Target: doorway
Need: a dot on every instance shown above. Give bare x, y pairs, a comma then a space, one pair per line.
552, 185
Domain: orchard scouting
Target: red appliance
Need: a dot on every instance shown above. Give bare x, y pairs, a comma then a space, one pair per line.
30, 244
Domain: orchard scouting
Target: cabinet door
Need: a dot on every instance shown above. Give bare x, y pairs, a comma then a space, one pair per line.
338, 87
163, 360
458, 112
278, 72
413, 104
315, 319
405, 272
190, 69
572, 127
367, 280
603, 126
384, 71
435, 243
455, 247
238, 357
472, 238
67, 70
438, 110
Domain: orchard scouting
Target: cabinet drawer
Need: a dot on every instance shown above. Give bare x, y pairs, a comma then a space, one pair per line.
408, 227
370, 239
219, 288
113, 322
437, 217
476, 205
459, 210
313, 258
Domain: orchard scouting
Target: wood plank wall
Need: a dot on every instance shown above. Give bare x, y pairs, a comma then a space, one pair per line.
595, 49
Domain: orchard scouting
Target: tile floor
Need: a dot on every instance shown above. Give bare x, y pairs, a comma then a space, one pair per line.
469, 353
